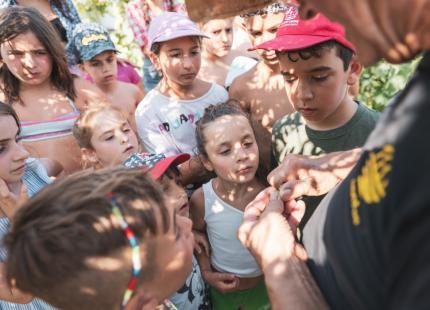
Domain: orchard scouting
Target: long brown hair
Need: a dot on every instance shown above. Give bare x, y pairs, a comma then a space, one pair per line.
7, 110
17, 20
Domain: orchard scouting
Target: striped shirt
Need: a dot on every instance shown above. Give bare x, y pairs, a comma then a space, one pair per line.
35, 178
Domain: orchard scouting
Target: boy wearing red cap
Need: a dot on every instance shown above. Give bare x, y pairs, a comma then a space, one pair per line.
260, 91
319, 67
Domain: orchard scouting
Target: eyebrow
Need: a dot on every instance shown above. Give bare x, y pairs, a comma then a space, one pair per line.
319, 69
4, 140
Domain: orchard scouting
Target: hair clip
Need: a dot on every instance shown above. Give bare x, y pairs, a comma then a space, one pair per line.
135, 250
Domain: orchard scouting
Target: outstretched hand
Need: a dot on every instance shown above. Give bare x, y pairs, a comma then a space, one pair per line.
269, 226
10, 202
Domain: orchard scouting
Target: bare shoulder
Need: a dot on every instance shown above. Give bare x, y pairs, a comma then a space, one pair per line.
197, 199
240, 89
88, 94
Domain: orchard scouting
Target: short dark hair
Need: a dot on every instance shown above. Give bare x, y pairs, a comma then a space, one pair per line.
57, 234
344, 53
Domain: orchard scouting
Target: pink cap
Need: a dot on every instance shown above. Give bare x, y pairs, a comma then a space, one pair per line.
171, 25
296, 34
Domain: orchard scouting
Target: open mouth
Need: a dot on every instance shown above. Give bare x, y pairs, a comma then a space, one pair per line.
185, 206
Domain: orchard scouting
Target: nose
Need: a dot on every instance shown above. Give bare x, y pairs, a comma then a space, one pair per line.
241, 153
20, 153
302, 91
224, 36
124, 138
186, 62
28, 61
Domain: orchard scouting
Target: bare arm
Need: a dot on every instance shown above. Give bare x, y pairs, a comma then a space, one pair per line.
193, 171
224, 282
267, 231
300, 175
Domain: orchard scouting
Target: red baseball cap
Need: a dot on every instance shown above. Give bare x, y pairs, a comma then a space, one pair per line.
296, 34
157, 163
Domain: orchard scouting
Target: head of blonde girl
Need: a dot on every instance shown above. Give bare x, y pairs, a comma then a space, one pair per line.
104, 136
175, 43
226, 143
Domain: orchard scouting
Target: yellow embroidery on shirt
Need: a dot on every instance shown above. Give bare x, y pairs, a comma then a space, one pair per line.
371, 183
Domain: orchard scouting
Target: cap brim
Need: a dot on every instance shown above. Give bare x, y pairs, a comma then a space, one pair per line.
99, 50
161, 167
290, 43
180, 34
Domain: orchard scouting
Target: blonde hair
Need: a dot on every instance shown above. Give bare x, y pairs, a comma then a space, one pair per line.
83, 130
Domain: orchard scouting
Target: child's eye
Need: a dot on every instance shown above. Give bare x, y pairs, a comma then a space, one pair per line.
16, 53
95, 64
225, 152
229, 30
256, 33
320, 78
248, 144
289, 79
194, 53
126, 130
175, 55
41, 52
216, 32
108, 138
2, 149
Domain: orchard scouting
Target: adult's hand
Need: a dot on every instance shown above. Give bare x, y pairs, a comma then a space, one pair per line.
268, 228
300, 175
10, 202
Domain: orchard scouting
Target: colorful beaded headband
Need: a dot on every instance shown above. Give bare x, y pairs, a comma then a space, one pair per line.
273, 8
135, 251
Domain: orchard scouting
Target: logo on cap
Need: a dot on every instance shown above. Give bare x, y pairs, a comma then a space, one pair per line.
94, 37
291, 17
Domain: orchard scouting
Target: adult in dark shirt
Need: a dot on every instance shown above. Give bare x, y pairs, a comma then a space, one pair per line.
366, 242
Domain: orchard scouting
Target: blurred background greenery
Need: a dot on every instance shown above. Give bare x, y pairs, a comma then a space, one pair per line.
378, 83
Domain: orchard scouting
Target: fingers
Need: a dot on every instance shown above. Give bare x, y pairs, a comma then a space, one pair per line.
4, 190
295, 210
226, 282
295, 189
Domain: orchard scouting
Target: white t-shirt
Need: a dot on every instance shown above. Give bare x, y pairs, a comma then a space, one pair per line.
168, 126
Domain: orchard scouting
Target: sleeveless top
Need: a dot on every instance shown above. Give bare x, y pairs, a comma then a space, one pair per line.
35, 178
57, 127
222, 224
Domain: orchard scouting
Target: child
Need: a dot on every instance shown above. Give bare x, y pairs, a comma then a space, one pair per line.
105, 137
318, 66
19, 176
261, 91
193, 294
96, 54
35, 79
106, 140
227, 146
167, 115
95, 239
217, 54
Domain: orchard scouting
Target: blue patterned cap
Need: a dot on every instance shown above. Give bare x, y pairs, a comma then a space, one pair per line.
89, 40
157, 163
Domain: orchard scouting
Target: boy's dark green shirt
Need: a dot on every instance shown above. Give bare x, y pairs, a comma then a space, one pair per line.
290, 135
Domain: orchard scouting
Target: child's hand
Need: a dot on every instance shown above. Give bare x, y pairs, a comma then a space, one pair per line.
9, 202
223, 282
201, 242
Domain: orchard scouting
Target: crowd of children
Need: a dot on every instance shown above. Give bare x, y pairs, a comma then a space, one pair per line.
166, 172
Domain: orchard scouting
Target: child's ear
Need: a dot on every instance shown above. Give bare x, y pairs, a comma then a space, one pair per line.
206, 163
89, 156
82, 67
155, 59
355, 69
